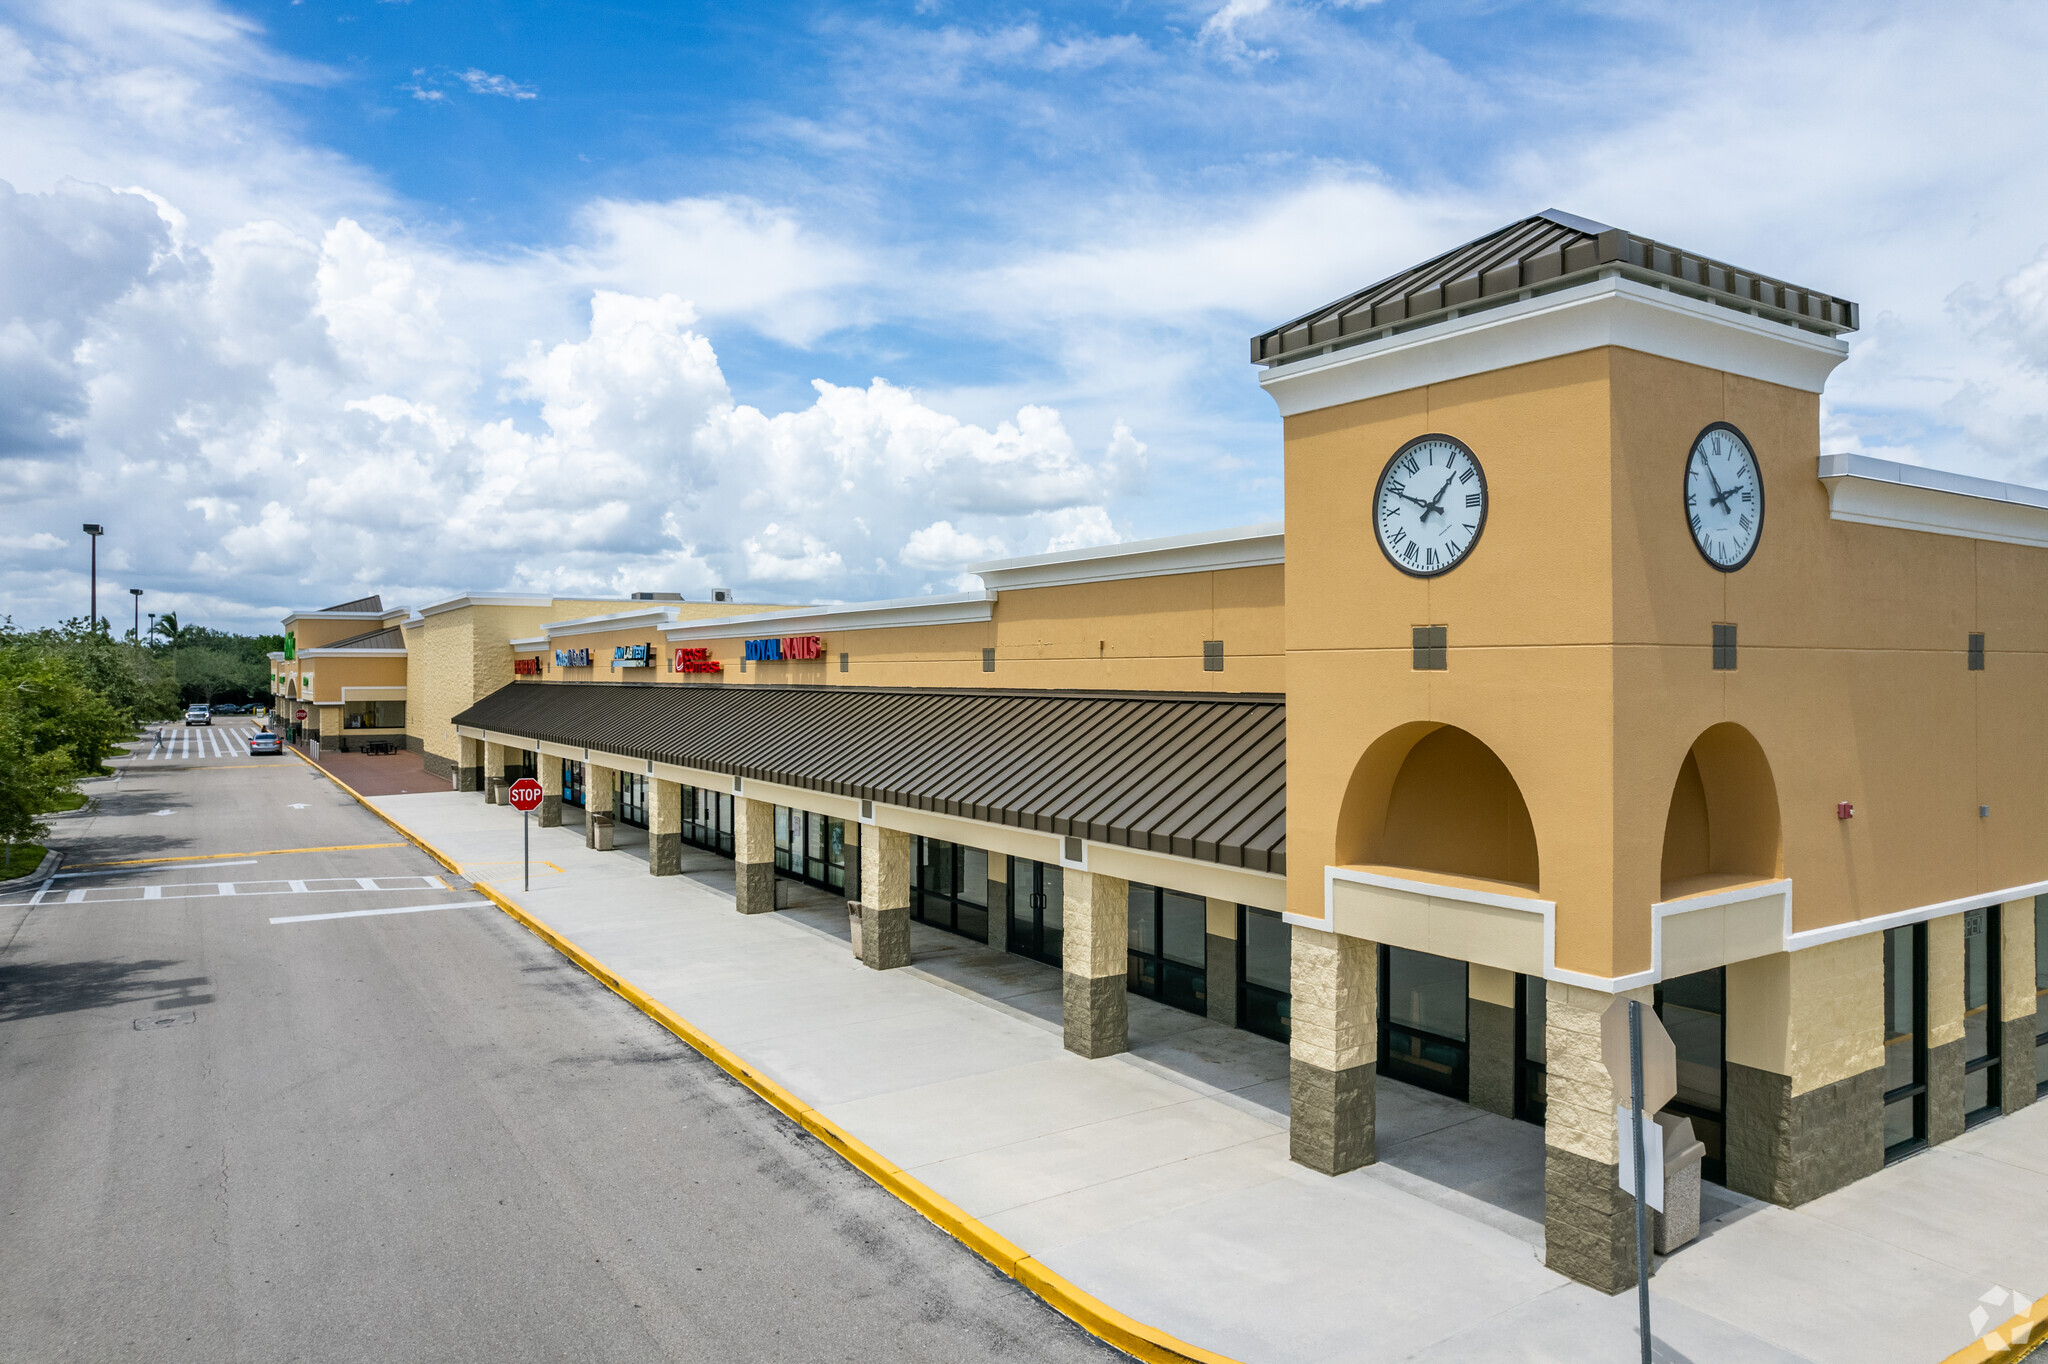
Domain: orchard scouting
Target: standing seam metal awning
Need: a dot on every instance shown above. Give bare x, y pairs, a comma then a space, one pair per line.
1191, 774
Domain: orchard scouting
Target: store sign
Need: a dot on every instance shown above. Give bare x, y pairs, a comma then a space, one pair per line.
572, 658
526, 667
633, 656
695, 661
794, 649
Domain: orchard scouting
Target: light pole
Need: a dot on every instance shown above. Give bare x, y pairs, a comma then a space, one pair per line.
136, 593
95, 531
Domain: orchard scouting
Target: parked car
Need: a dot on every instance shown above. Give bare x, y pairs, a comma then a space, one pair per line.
263, 741
198, 715
229, 708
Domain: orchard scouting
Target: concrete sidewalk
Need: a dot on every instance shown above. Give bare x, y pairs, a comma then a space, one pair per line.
1159, 1180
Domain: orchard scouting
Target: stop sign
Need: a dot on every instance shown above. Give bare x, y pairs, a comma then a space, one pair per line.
524, 794
302, 714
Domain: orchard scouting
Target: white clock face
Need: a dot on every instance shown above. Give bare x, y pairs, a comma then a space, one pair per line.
1724, 497
1431, 506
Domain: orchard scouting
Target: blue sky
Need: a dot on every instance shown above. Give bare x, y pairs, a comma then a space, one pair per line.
828, 302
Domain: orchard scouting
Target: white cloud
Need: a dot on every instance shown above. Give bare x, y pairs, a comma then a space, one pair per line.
484, 83
939, 545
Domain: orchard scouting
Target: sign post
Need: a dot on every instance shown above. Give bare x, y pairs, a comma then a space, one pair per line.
1634, 1045
524, 796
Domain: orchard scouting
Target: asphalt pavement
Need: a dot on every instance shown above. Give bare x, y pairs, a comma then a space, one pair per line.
276, 1086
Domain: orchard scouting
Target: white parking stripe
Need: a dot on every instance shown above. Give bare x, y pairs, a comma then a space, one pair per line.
366, 913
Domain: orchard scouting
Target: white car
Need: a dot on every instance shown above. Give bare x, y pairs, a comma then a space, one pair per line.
198, 715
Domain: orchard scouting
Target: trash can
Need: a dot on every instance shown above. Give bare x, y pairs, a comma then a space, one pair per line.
597, 832
1683, 1152
498, 793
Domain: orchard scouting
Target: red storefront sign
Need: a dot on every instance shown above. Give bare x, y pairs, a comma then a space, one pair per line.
695, 661
526, 667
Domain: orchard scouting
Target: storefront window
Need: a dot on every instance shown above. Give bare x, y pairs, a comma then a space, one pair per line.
1693, 1009
1423, 1005
633, 799
1905, 1040
811, 848
572, 783
1169, 947
1532, 1067
1982, 1024
707, 820
373, 715
2041, 995
1037, 908
1265, 956
950, 890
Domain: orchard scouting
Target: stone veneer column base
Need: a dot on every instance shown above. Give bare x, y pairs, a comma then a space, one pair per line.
469, 779
1790, 1149
753, 886
1332, 1116
2016, 1067
1096, 1012
884, 937
1221, 972
549, 816
664, 854
1589, 1224
1945, 1092
1490, 1031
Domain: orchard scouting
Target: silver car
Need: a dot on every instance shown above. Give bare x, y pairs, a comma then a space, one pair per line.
198, 715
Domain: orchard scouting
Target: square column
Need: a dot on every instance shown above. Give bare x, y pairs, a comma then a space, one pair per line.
600, 789
1220, 960
549, 816
1095, 964
1589, 1227
998, 902
2016, 985
753, 855
1805, 1070
1333, 1057
884, 903
469, 764
664, 827
494, 769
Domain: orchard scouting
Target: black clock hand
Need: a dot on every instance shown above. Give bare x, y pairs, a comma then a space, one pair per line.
1416, 500
1431, 505
1719, 499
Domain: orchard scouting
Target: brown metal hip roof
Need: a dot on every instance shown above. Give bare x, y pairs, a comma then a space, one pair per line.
1192, 774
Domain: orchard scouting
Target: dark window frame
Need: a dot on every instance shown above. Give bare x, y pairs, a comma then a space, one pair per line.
629, 798
1432, 648
1027, 931
1532, 1077
1261, 1009
1915, 1089
1993, 1059
1157, 976
1724, 647
1713, 1167
804, 851
575, 783
707, 820
1976, 652
935, 884
1458, 1083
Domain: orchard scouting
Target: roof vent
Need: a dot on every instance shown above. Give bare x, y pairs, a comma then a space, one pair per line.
657, 596
721, 594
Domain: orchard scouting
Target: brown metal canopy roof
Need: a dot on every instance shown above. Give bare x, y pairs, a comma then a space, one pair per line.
1191, 774
1545, 252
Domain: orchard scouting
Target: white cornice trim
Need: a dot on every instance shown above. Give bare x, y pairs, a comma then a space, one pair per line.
1879, 492
485, 599
352, 653
373, 693
952, 609
1205, 551
394, 613
536, 642
1611, 311
655, 617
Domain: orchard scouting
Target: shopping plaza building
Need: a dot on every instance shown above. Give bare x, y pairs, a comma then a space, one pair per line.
1602, 681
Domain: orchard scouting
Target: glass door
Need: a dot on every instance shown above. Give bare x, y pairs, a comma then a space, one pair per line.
1694, 1011
1983, 1019
1532, 1067
1265, 965
1169, 947
1905, 1040
1423, 1007
633, 799
1037, 910
950, 890
572, 782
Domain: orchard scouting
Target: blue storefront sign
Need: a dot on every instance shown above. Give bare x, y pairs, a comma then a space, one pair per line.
572, 658
633, 656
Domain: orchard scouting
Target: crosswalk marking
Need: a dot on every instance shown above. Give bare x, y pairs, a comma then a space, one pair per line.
182, 743
221, 890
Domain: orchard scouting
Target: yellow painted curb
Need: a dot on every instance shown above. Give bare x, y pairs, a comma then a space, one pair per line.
1089, 1312
2011, 1342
